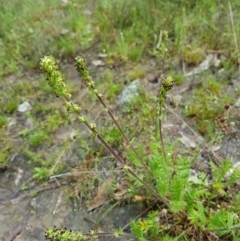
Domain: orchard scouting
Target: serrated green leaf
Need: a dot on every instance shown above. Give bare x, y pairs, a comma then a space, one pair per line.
197, 215
234, 177
177, 206
177, 187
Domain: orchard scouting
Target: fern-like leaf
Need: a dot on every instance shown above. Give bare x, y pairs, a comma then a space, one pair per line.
177, 187
197, 216
219, 172
222, 221
177, 206
234, 177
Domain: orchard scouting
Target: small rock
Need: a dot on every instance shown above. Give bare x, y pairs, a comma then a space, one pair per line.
210, 60
98, 62
64, 31
33, 203
19, 176
187, 141
29, 123
25, 106
129, 92
237, 104
102, 55
175, 99
236, 83
11, 122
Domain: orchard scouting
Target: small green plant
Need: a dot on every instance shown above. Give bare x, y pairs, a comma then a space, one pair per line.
37, 137
41, 173
110, 89
206, 105
69, 235
193, 55
181, 207
3, 120
4, 154
11, 106
3, 160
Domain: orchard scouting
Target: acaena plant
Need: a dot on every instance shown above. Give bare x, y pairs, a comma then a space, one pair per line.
183, 207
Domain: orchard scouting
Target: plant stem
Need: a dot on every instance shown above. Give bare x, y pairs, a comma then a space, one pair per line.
160, 133
124, 136
84, 73
119, 159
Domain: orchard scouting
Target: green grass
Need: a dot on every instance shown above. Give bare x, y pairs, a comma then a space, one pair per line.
126, 30
29, 31
37, 137
3, 120
207, 105
192, 28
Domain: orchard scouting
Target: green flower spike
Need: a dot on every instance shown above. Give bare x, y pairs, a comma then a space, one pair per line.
167, 85
83, 71
54, 77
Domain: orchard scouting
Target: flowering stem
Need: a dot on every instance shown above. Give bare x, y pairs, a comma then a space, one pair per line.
83, 71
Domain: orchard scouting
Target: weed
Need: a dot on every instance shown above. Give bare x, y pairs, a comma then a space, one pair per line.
4, 154
36, 137
182, 28
185, 208
207, 107
32, 156
64, 27
178, 78
41, 173
111, 89
3, 120
192, 55
53, 122
124, 29
11, 106
3, 160
137, 73
111, 135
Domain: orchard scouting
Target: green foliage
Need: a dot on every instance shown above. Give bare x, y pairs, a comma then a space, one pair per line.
70, 235
193, 55
112, 136
111, 90
4, 154
54, 121
126, 30
147, 227
36, 137
136, 25
3, 120
51, 27
3, 160
206, 108
219, 172
197, 215
41, 173
198, 205
234, 177
11, 106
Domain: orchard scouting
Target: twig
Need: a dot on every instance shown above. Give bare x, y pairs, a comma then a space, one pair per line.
80, 173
